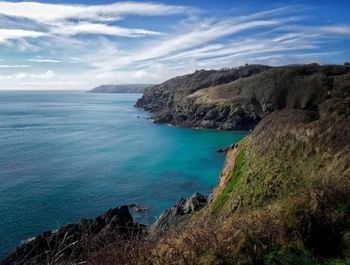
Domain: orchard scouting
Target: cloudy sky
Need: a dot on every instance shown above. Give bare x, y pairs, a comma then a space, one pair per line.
81, 44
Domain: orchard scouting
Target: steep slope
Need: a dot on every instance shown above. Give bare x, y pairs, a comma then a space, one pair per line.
240, 98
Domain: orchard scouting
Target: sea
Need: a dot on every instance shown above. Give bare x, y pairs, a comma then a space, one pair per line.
71, 155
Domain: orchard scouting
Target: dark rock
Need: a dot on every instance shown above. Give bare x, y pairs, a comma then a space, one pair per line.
137, 207
180, 213
226, 149
73, 240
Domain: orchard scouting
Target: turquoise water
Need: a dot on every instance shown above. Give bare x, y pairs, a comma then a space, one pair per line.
69, 155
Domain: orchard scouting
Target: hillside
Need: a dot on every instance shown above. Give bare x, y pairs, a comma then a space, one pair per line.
125, 88
238, 98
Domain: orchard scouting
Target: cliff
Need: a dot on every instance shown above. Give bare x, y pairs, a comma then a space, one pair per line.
126, 88
238, 98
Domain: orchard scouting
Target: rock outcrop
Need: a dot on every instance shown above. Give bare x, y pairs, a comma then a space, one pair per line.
226, 148
179, 214
73, 241
237, 99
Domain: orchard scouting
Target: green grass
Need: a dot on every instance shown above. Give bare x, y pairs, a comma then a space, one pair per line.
238, 172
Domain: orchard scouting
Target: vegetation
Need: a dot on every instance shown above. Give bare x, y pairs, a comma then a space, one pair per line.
232, 183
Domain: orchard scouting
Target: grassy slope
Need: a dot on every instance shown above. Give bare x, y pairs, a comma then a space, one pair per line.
299, 86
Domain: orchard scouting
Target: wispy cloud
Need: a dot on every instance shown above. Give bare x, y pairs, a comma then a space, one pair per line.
13, 66
102, 29
8, 34
41, 60
169, 47
24, 75
68, 19
342, 30
53, 13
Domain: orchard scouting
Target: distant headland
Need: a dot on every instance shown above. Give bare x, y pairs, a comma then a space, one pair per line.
121, 88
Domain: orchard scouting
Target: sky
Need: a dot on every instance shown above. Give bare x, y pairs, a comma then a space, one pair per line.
70, 45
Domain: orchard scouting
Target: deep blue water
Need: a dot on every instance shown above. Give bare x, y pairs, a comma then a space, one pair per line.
69, 155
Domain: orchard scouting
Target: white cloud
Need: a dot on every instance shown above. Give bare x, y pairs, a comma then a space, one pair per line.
342, 30
198, 34
13, 66
40, 60
34, 19
94, 28
24, 75
7, 34
52, 13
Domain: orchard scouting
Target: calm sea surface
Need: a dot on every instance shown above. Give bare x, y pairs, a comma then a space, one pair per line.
69, 155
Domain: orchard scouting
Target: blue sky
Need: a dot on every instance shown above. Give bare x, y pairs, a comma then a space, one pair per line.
80, 44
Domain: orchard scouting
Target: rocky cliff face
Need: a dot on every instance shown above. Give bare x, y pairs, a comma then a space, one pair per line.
179, 215
237, 99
